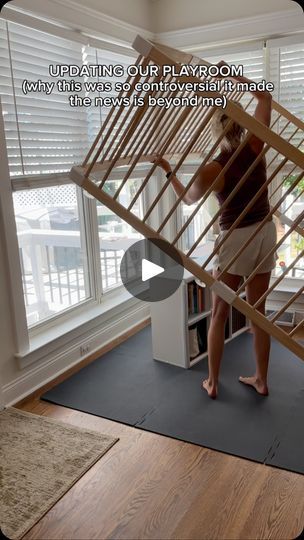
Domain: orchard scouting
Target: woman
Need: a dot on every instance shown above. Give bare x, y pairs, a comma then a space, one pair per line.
262, 243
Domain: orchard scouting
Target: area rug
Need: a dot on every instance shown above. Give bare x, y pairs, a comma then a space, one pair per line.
40, 459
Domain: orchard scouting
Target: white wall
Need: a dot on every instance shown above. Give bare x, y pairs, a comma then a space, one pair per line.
136, 12
180, 14
7, 348
117, 20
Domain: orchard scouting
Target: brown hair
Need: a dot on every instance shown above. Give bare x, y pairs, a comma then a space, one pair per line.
235, 133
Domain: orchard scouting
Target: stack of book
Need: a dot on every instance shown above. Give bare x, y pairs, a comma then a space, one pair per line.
198, 338
196, 300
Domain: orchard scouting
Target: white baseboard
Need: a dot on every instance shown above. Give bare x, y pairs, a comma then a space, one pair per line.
68, 357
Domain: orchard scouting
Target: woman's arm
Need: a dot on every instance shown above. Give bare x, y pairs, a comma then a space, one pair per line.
203, 181
262, 111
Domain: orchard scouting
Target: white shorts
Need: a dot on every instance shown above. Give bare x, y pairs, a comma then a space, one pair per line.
262, 243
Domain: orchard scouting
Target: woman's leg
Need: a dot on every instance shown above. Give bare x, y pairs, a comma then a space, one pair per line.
254, 290
216, 334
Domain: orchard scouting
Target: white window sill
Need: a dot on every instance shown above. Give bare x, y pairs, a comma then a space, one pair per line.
79, 322
95, 314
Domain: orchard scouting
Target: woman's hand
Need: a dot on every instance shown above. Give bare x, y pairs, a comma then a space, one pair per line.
220, 64
163, 163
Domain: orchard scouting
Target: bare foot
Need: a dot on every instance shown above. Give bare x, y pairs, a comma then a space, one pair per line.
211, 389
258, 385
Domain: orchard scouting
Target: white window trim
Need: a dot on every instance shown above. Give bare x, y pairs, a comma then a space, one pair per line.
10, 231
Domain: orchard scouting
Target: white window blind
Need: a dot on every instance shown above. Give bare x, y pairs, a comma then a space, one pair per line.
252, 62
287, 73
97, 115
44, 133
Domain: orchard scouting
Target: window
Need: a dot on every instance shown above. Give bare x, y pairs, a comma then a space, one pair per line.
45, 137
287, 72
198, 224
44, 134
115, 235
52, 250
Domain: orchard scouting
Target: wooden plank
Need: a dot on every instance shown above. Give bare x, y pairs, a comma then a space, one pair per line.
279, 279
289, 222
240, 183
297, 328
194, 268
233, 111
205, 121
211, 188
104, 125
194, 177
173, 133
260, 223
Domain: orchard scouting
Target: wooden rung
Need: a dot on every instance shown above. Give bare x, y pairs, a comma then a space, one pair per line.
140, 152
205, 161
290, 138
284, 219
174, 147
278, 280
284, 112
133, 126
259, 226
104, 125
129, 150
188, 149
115, 119
211, 188
271, 252
297, 328
164, 126
130, 136
296, 295
163, 151
195, 121
227, 201
129, 131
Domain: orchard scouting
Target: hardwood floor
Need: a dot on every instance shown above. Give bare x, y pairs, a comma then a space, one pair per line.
150, 486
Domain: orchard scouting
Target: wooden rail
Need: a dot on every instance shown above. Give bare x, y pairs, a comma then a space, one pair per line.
137, 134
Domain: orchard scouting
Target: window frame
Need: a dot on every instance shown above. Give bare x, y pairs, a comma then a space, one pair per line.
87, 207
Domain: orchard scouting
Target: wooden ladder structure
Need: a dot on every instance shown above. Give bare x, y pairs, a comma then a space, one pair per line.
134, 135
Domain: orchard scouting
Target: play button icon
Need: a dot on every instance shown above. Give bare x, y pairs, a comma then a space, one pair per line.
151, 270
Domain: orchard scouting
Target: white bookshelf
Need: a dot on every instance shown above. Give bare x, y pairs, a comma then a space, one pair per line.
171, 322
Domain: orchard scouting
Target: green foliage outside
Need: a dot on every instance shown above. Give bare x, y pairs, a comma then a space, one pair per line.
299, 188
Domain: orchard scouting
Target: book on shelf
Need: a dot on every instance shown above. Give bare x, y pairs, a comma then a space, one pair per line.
196, 298
198, 334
